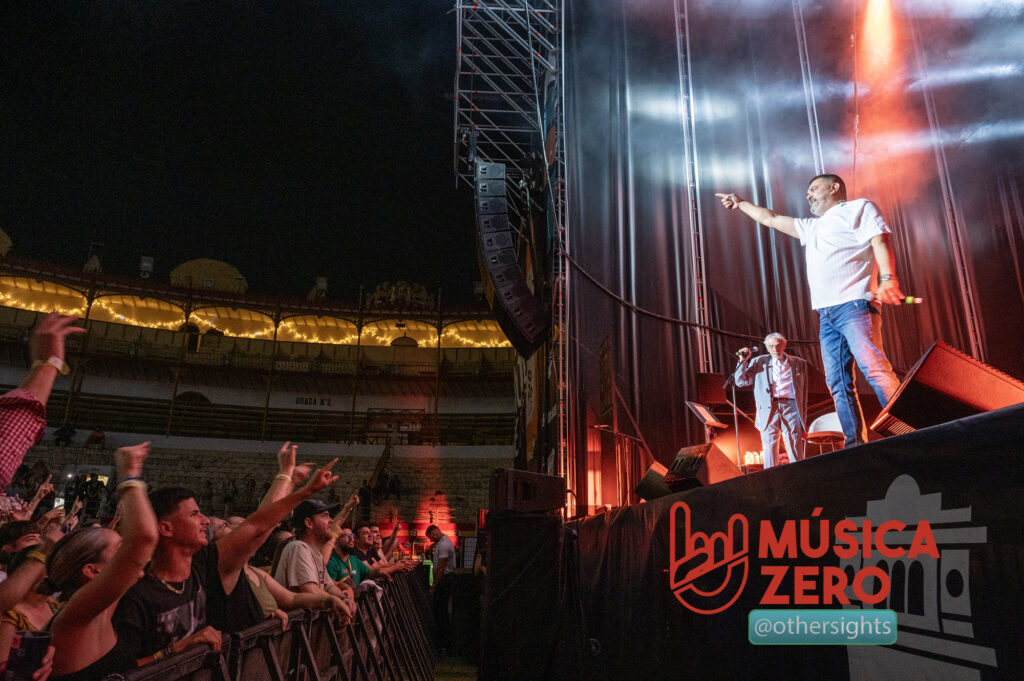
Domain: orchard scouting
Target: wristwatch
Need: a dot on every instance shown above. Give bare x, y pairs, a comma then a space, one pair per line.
54, 361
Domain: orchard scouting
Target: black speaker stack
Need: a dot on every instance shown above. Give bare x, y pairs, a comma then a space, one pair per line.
521, 315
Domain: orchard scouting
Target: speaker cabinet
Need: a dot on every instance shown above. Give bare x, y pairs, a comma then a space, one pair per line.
521, 315
513, 490
693, 466
946, 385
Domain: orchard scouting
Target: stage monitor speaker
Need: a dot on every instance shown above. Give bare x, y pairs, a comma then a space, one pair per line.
946, 385
513, 490
519, 313
652, 485
693, 466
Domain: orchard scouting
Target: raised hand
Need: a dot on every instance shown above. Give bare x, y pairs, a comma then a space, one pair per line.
48, 337
302, 472
128, 460
286, 458
730, 201
322, 478
44, 488
54, 515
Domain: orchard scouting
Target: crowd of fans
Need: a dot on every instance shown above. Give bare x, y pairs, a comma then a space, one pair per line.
161, 576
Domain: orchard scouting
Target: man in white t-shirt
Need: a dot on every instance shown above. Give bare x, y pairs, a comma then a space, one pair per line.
302, 567
443, 587
845, 244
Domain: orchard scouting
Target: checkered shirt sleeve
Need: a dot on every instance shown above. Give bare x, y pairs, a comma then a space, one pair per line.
22, 423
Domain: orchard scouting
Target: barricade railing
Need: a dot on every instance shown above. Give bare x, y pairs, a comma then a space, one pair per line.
387, 641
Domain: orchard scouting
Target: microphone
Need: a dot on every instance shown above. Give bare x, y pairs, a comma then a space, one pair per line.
744, 353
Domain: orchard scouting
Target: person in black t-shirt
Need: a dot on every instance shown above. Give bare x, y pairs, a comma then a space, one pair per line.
189, 593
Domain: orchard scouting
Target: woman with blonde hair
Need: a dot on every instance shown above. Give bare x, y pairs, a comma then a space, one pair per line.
92, 569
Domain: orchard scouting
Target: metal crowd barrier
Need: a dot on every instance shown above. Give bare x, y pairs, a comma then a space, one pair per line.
387, 641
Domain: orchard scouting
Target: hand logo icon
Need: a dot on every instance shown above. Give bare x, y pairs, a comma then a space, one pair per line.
709, 572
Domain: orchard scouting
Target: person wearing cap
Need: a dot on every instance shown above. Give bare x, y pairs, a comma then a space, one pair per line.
188, 593
302, 567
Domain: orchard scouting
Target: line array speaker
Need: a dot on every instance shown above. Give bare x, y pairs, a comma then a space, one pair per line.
522, 317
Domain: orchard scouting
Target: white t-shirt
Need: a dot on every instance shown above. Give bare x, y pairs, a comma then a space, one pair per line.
837, 247
444, 548
300, 563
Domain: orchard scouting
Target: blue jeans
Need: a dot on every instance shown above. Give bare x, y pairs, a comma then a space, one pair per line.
853, 331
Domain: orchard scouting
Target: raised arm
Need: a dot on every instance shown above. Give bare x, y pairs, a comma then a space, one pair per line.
44, 489
346, 510
743, 375
388, 544
237, 548
765, 216
47, 341
335, 527
138, 540
288, 475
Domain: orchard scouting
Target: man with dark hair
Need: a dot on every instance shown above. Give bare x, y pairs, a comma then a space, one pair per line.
381, 547
344, 561
443, 587
302, 567
845, 245
191, 590
363, 541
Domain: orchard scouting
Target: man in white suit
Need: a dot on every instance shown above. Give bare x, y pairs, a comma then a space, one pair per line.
780, 391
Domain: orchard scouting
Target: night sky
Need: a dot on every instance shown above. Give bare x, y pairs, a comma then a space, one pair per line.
290, 139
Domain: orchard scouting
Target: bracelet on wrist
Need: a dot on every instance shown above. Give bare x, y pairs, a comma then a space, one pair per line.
887, 277
128, 483
36, 554
282, 476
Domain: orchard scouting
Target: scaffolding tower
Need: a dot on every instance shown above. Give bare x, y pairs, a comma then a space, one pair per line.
508, 109
507, 49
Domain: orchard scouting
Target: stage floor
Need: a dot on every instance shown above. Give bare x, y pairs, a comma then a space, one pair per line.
921, 534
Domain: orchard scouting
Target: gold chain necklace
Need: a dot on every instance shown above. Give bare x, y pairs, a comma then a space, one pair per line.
180, 590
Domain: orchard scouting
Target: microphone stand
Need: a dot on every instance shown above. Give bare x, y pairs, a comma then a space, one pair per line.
730, 384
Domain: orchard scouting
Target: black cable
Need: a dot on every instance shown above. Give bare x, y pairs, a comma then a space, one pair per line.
666, 318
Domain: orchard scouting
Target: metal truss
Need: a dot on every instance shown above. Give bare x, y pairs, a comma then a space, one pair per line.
698, 246
506, 50
510, 63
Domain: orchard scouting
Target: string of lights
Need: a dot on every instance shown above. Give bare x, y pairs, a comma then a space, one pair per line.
43, 297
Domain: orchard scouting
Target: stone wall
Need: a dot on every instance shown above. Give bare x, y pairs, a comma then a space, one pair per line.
436, 486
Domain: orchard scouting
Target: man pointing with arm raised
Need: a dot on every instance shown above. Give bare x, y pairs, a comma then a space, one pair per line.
845, 245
